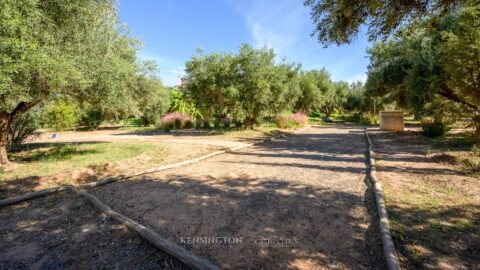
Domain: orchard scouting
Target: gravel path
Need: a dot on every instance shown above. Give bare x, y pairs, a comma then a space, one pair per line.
299, 202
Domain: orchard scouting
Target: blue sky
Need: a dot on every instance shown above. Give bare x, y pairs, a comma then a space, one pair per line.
171, 30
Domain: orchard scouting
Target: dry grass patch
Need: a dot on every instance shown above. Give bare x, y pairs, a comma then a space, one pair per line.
433, 202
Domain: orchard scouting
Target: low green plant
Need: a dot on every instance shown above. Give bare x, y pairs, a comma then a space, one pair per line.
188, 123
433, 128
91, 118
369, 119
198, 123
61, 115
137, 122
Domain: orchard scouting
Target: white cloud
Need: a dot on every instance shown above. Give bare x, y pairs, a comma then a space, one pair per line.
286, 26
278, 25
357, 77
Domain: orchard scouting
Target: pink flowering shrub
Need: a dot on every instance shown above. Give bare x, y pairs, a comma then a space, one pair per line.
293, 120
300, 119
175, 120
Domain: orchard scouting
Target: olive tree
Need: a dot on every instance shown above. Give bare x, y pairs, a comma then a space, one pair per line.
339, 22
313, 84
333, 97
50, 49
246, 86
432, 70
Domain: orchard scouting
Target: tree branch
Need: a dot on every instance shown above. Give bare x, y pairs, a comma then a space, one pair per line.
22, 107
455, 98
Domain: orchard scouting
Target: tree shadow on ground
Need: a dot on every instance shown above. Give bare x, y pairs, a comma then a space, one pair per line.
35, 146
326, 227
434, 210
194, 132
63, 231
329, 227
436, 236
405, 148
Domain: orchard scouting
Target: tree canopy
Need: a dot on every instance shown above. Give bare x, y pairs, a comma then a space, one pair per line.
432, 70
55, 49
339, 22
243, 86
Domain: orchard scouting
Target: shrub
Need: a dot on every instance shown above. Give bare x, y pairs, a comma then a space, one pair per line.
217, 122
61, 116
176, 120
168, 126
238, 123
293, 120
188, 123
282, 121
206, 123
433, 129
91, 118
369, 119
300, 119
22, 128
226, 122
355, 118
198, 123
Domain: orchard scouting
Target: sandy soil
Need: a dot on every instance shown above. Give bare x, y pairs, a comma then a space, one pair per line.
111, 135
63, 231
434, 208
295, 203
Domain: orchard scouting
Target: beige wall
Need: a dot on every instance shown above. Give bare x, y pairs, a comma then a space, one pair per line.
391, 120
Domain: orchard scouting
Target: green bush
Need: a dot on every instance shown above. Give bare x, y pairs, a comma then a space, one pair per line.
188, 123
355, 118
369, 119
91, 118
136, 121
433, 129
61, 115
206, 124
217, 122
198, 123
168, 126
226, 122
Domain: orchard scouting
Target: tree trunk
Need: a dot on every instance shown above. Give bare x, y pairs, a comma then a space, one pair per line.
327, 112
249, 123
146, 122
4, 129
417, 116
5, 122
476, 125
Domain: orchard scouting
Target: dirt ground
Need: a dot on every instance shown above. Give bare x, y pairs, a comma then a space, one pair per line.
180, 145
196, 137
300, 202
175, 152
434, 208
63, 231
